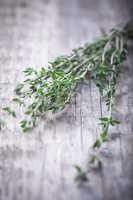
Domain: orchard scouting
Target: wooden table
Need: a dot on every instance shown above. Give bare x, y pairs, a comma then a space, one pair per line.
39, 165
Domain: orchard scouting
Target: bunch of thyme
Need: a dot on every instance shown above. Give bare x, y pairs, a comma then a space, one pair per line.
51, 88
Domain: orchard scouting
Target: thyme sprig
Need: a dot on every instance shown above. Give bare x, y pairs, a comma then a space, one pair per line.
9, 111
50, 88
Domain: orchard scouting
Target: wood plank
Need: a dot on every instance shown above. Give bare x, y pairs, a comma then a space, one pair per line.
39, 165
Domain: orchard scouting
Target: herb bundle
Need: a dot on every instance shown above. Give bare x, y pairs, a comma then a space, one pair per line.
51, 88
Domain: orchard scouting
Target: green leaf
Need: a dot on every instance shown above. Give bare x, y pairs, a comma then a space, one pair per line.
114, 122
18, 88
26, 129
42, 72
9, 111
104, 136
95, 162
81, 175
79, 170
104, 119
25, 125
29, 71
2, 124
97, 144
18, 100
29, 111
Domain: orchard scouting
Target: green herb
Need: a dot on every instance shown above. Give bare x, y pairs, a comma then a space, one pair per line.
52, 87
95, 162
81, 175
25, 125
2, 124
9, 111
18, 88
18, 101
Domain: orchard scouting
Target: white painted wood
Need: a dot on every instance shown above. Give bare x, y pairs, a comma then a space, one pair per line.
39, 165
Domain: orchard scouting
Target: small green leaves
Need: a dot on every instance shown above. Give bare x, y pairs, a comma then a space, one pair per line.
29, 71
114, 122
18, 88
9, 111
108, 120
104, 120
25, 125
81, 175
2, 124
97, 144
95, 162
60, 60
104, 136
18, 101
42, 72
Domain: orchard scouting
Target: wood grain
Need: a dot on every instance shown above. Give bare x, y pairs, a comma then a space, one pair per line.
39, 165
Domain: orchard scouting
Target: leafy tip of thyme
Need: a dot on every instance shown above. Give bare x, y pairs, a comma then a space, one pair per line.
81, 175
9, 111
2, 124
95, 162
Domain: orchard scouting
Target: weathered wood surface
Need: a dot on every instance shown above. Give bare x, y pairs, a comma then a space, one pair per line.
39, 165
